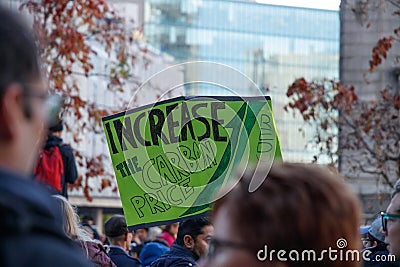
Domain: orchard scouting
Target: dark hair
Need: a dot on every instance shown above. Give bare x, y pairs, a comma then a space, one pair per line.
86, 218
19, 61
168, 227
192, 227
135, 248
57, 126
144, 228
116, 227
372, 238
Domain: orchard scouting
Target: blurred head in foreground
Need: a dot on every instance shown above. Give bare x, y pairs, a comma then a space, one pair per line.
299, 210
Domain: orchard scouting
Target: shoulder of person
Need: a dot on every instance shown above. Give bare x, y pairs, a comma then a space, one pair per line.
98, 254
66, 151
63, 146
42, 250
31, 222
184, 262
175, 261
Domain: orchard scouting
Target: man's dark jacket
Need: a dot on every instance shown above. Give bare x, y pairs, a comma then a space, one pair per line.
376, 261
121, 258
178, 256
70, 171
31, 226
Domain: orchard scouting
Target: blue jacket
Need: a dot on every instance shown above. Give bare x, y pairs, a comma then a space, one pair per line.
121, 258
178, 256
151, 252
31, 226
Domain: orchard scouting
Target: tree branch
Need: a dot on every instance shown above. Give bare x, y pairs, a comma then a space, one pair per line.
395, 3
361, 138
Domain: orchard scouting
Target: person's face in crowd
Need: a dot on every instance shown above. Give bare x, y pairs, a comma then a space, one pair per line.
202, 241
221, 253
393, 227
174, 228
142, 234
129, 237
30, 132
367, 243
89, 231
224, 255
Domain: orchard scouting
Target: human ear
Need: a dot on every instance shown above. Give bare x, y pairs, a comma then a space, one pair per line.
11, 111
128, 236
188, 241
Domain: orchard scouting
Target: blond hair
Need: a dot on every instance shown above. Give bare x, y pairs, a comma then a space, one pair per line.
71, 226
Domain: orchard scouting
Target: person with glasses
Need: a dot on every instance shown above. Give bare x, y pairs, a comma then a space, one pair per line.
391, 223
31, 225
297, 208
192, 243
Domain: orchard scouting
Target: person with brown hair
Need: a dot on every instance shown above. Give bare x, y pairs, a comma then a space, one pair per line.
301, 215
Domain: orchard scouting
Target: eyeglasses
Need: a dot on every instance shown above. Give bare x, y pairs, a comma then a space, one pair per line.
388, 216
52, 104
216, 245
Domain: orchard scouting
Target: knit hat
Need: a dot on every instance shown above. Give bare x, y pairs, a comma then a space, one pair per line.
375, 230
56, 127
116, 226
151, 252
364, 229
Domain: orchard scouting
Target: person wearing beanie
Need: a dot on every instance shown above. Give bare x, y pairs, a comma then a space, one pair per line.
120, 239
67, 154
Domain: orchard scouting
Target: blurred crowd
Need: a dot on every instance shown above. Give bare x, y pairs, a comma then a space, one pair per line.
301, 215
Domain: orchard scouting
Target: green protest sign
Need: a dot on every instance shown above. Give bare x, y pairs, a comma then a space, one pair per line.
172, 159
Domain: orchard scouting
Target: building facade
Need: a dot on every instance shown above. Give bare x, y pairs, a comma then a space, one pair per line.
362, 24
272, 45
